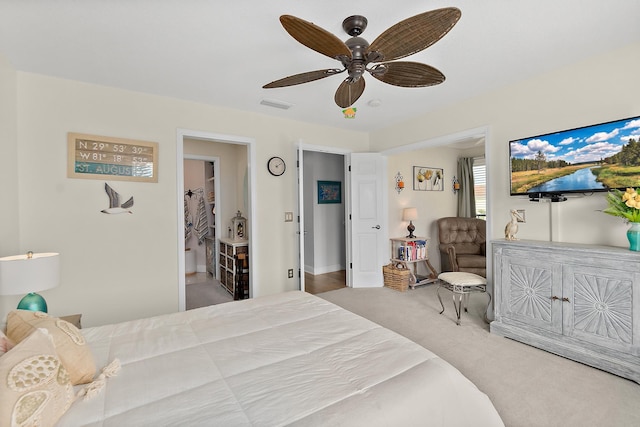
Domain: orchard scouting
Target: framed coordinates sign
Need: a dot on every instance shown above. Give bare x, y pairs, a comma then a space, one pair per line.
103, 157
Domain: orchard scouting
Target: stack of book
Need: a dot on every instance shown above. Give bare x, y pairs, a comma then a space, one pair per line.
413, 250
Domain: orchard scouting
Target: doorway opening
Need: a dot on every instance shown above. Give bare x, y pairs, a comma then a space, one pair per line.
202, 231
324, 224
461, 141
322, 227
232, 187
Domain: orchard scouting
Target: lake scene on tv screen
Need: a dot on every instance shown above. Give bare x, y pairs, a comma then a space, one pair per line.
587, 159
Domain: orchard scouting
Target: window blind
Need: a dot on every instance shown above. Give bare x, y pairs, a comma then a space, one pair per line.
480, 186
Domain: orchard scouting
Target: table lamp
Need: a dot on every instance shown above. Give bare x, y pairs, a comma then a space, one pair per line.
29, 274
410, 214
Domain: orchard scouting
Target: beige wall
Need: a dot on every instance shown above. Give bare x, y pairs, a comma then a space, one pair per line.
8, 160
603, 88
119, 267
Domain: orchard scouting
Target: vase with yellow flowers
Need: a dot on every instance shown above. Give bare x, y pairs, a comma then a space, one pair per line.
627, 205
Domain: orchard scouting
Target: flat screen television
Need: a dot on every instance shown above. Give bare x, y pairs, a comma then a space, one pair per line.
581, 160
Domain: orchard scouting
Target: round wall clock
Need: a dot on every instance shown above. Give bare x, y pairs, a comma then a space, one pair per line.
276, 166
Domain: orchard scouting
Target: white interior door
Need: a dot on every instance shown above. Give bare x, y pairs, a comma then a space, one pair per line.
301, 218
368, 225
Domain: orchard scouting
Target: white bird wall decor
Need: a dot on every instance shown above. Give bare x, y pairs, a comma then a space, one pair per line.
114, 202
512, 226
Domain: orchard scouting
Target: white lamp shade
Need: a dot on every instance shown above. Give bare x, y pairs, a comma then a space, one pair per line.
20, 274
409, 214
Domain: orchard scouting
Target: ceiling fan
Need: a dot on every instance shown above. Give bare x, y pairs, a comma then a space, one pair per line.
357, 56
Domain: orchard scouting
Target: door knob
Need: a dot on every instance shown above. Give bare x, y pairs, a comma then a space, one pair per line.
377, 227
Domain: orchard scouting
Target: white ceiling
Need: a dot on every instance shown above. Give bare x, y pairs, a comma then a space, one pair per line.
223, 52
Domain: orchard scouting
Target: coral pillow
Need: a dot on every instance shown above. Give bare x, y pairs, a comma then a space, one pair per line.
35, 387
68, 340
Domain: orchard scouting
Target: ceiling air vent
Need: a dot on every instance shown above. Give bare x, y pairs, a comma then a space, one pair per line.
276, 104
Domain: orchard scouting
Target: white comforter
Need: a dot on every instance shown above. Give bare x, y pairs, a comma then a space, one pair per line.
287, 359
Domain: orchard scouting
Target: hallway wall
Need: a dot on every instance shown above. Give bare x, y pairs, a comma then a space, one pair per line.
324, 223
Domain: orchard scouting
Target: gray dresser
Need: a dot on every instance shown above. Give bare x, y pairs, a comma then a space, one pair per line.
578, 301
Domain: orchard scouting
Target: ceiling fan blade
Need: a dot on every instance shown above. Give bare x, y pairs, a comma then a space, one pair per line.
414, 34
407, 74
348, 93
297, 79
314, 37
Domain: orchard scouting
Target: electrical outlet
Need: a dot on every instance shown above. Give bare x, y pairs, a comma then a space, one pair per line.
521, 213
290, 273
288, 217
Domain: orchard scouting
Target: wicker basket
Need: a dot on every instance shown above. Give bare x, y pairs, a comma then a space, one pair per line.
396, 276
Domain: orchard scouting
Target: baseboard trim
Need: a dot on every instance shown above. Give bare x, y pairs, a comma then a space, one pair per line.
322, 270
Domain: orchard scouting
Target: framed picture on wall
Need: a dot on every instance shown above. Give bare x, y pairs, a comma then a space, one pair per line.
428, 179
105, 157
329, 192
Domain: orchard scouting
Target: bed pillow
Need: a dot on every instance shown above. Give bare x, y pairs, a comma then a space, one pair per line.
35, 387
5, 343
70, 344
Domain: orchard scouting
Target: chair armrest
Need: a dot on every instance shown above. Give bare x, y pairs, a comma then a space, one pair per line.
450, 250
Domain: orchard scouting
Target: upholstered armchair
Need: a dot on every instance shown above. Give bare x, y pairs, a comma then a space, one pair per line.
463, 245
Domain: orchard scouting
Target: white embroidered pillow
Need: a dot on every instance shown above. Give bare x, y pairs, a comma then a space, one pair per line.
35, 387
70, 345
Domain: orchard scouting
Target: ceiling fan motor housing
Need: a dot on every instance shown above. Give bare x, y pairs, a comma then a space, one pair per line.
356, 65
354, 25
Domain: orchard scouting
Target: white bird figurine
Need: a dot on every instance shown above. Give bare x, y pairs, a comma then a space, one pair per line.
114, 202
512, 226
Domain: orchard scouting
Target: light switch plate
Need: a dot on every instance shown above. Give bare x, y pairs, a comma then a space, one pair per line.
288, 217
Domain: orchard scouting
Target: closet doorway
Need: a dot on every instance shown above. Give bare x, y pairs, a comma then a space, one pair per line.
201, 185
225, 164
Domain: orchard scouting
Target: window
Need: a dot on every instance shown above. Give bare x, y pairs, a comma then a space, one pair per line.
480, 187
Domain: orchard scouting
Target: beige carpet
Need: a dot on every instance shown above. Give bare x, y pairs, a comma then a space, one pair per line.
529, 387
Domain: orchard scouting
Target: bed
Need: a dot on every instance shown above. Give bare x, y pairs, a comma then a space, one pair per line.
286, 359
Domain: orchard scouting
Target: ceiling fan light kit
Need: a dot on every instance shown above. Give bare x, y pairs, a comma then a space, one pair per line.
357, 56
